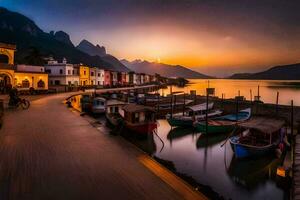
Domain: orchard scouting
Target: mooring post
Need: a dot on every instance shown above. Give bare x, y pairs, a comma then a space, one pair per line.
175, 99
171, 105
183, 109
277, 98
237, 109
158, 102
250, 95
292, 118
206, 113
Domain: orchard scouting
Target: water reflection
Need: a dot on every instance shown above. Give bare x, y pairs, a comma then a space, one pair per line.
268, 89
210, 140
251, 173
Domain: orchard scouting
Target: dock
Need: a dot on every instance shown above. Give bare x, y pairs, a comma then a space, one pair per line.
49, 152
296, 169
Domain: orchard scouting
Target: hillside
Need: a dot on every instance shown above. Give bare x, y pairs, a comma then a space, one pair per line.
22, 31
163, 69
284, 72
97, 50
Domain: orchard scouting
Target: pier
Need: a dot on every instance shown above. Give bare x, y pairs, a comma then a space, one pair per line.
49, 152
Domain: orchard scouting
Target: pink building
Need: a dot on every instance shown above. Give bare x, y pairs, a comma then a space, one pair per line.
107, 78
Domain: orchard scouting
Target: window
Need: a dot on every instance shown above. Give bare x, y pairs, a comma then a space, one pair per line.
60, 71
56, 82
84, 72
92, 82
69, 72
92, 73
98, 74
41, 84
73, 72
25, 83
69, 83
48, 71
98, 82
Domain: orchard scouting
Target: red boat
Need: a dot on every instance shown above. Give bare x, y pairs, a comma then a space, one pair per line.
139, 118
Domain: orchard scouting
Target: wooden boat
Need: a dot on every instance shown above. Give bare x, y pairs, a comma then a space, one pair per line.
215, 126
139, 118
258, 136
193, 113
98, 105
242, 115
114, 111
223, 124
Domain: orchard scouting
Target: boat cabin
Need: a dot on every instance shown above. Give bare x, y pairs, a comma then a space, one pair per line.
115, 107
260, 131
199, 109
138, 114
98, 105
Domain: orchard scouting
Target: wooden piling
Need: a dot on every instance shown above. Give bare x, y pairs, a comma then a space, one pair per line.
206, 113
277, 101
250, 95
183, 109
292, 117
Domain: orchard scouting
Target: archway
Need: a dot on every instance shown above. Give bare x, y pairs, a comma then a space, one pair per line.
4, 59
5, 83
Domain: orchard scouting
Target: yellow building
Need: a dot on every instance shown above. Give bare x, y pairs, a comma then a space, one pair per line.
24, 77
84, 75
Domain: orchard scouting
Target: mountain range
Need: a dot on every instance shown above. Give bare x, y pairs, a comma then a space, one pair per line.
283, 72
163, 69
18, 29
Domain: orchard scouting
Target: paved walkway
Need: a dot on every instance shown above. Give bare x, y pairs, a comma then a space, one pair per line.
48, 152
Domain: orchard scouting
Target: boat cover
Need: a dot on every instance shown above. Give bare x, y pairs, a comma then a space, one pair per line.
200, 107
263, 124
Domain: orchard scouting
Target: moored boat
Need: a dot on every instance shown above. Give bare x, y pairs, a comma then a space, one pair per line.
215, 126
98, 106
139, 118
114, 111
193, 113
258, 136
242, 115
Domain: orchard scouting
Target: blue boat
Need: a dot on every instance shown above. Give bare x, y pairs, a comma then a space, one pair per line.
257, 137
242, 115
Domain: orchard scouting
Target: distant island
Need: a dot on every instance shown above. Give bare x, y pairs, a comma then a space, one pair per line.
283, 72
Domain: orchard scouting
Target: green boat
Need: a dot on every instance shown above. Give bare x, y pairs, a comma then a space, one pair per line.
215, 126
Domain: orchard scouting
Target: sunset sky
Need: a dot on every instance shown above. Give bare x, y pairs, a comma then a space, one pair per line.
217, 37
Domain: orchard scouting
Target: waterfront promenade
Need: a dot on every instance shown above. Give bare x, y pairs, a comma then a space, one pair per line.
49, 152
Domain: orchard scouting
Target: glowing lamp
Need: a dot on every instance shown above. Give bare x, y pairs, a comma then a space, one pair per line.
281, 171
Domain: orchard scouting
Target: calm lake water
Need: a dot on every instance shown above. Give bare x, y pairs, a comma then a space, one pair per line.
288, 90
213, 165
209, 164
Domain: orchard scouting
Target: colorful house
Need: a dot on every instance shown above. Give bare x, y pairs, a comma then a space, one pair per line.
123, 80
114, 78
107, 78
100, 73
93, 71
61, 73
24, 77
84, 74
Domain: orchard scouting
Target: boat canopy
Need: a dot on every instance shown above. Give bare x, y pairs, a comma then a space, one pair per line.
132, 108
115, 102
263, 124
200, 107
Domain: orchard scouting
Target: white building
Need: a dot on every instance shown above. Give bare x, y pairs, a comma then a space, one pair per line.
100, 76
137, 79
61, 73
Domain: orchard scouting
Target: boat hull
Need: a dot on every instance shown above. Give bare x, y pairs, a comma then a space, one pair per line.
142, 129
180, 123
244, 151
201, 127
